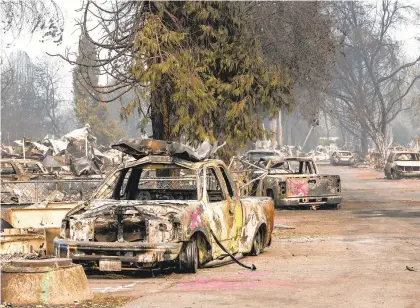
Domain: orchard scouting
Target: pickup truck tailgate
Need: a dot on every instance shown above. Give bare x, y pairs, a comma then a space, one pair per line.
313, 186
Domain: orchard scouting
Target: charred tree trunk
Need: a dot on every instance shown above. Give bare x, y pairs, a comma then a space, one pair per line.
343, 133
156, 116
160, 115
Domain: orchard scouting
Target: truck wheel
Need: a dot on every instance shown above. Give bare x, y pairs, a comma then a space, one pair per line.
257, 243
188, 258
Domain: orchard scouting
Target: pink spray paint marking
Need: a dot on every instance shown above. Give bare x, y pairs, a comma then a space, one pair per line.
242, 281
299, 189
195, 219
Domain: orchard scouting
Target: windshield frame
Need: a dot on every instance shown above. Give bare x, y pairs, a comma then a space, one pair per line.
416, 155
110, 189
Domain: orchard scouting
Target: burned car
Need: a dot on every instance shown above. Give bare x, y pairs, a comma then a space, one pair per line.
167, 208
402, 164
254, 156
295, 182
22, 169
342, 158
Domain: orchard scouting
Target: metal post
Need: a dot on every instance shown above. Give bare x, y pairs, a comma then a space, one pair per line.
23, 146
307, 136
279, 130
36, 192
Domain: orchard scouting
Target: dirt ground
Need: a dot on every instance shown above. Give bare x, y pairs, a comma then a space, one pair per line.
367, 254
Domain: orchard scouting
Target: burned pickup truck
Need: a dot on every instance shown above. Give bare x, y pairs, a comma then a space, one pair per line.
170, 207
294, 182
402, 164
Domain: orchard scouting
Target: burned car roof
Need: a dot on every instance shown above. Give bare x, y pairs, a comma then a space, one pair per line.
405, 152
161, 159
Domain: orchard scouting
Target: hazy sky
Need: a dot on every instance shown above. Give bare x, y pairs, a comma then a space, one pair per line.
71, 34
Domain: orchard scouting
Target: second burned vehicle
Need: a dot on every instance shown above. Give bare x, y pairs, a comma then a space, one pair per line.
342, 158
295, 182
169, 207
402, 164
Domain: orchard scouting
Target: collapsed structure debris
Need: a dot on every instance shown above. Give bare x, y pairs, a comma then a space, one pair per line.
64, 155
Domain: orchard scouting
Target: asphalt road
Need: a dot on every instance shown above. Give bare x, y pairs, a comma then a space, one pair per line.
353, 257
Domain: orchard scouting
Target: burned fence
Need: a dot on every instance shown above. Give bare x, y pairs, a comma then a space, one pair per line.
29, 192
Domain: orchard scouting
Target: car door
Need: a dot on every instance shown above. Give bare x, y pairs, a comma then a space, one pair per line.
223, 210
235, 209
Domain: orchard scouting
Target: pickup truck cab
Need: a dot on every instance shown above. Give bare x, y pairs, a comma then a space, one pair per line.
293, 182
162, 210
255, 155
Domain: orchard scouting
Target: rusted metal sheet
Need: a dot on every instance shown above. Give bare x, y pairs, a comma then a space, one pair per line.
46, 217
162, 208
16, 241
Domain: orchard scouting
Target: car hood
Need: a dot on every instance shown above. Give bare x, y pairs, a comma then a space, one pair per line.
151, 209
408, 163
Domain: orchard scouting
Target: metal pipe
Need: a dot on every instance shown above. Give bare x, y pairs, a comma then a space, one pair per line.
23, 146
307, 136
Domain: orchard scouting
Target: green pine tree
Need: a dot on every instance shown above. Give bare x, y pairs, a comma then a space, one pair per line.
206, 74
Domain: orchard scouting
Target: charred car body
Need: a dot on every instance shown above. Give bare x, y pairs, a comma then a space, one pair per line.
166, 207
402, 164
22, 169
342, 158
294, 182
254, 156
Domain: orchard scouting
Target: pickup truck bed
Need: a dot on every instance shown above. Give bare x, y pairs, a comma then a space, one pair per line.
310, 190
300, 186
